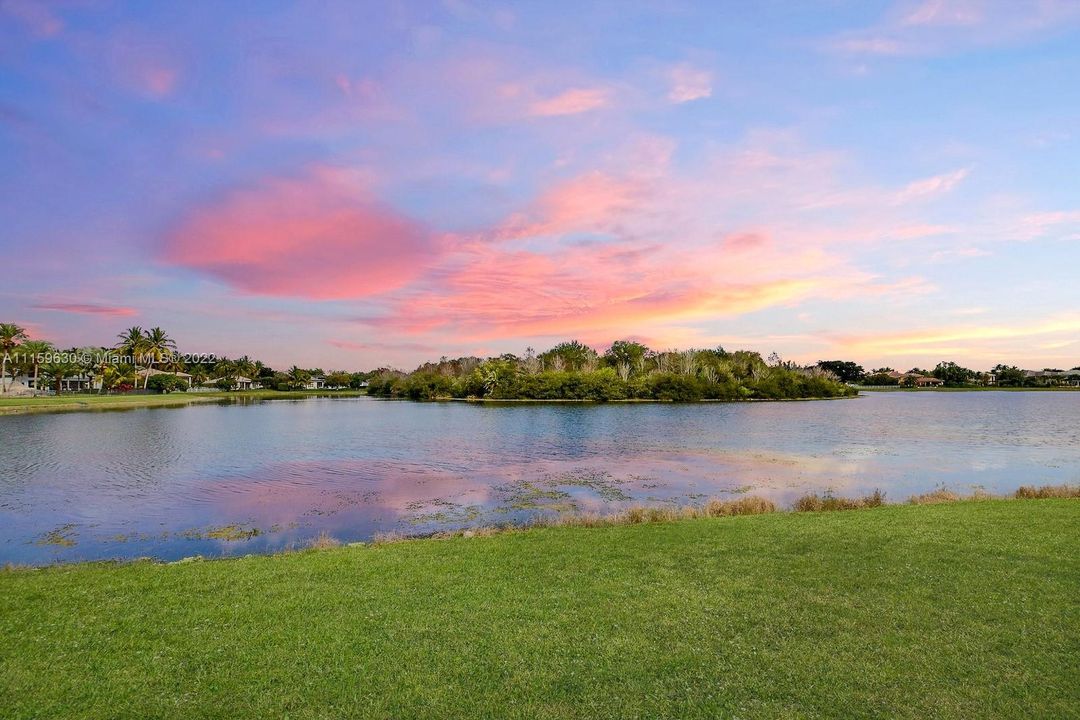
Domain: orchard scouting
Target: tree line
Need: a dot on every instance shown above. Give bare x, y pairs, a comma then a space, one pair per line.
953, 375
627, 370
129, 364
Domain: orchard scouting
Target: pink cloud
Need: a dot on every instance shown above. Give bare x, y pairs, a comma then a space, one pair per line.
931, 27
158, 81
34, 15
318, 236
589, 202
689, 83
944, 12
571, 102
931, 186
745, 241
86, 309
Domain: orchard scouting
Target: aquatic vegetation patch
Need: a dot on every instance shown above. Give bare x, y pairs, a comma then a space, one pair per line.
448, 512
228, 533
603, 483
63, 536
527, 495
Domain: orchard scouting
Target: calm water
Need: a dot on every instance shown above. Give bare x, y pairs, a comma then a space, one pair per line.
171, 483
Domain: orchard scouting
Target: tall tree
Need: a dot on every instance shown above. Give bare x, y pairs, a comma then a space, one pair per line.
33, 352
10, 337
846, 370
158, 346
132, 343
58, 371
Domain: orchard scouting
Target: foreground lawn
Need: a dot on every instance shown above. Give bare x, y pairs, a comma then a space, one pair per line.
966, 610
117, 402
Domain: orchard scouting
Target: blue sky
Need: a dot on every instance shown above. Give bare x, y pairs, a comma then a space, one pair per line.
349, 184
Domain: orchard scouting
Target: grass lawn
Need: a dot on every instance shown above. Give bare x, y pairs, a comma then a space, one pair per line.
965, 610
977, 388
114, 402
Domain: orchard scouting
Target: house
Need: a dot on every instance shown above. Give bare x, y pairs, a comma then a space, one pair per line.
1053, 377
317, 382
239, 383
915, 379
19, 386
74, 383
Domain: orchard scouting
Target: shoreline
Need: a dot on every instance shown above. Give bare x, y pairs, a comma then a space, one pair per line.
90, 403
832, 612
715, 508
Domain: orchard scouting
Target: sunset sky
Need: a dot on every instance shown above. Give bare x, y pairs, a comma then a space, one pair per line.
351, 184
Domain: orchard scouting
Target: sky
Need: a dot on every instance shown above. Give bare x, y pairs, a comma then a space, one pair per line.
350, 184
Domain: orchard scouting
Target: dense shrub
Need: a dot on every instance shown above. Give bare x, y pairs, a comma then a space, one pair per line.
166, 383
629, 371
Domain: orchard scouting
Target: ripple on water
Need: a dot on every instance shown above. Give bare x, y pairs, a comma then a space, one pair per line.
356, 467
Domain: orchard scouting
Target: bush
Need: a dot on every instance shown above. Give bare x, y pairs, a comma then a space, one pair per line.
166, 383
828, 502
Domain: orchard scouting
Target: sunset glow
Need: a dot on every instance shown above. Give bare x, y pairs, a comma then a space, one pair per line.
351, 184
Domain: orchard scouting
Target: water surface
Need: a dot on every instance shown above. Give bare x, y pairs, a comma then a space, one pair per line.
253, 477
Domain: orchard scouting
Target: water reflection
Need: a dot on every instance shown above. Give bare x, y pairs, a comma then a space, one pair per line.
238, 478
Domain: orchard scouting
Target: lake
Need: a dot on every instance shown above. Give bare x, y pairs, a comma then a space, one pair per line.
236, 478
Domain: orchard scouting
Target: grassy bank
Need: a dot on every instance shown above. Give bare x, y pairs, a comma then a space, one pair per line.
118, 402
992, 388
953, 610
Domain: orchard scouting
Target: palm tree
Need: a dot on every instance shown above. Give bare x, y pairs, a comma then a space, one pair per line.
245, 367
198, 376
10, 335
298, 377
32, 351
58, 372
157, 346
132, 344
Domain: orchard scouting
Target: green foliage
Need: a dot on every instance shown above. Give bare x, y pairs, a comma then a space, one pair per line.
626, 351
1009, 376
880, 377
953, 375
339, 379
570, 371
166, 383
570, 355
845, 370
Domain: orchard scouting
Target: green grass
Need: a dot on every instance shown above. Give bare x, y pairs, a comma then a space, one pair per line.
964, 610
14, 405
976, 388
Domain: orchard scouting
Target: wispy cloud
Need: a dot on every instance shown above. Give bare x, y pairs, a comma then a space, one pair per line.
86, 309
931, 27
689, 83
571, 102
38, 17
931, 186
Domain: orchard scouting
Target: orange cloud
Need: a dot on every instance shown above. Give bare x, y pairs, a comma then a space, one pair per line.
962, 339
316, 236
